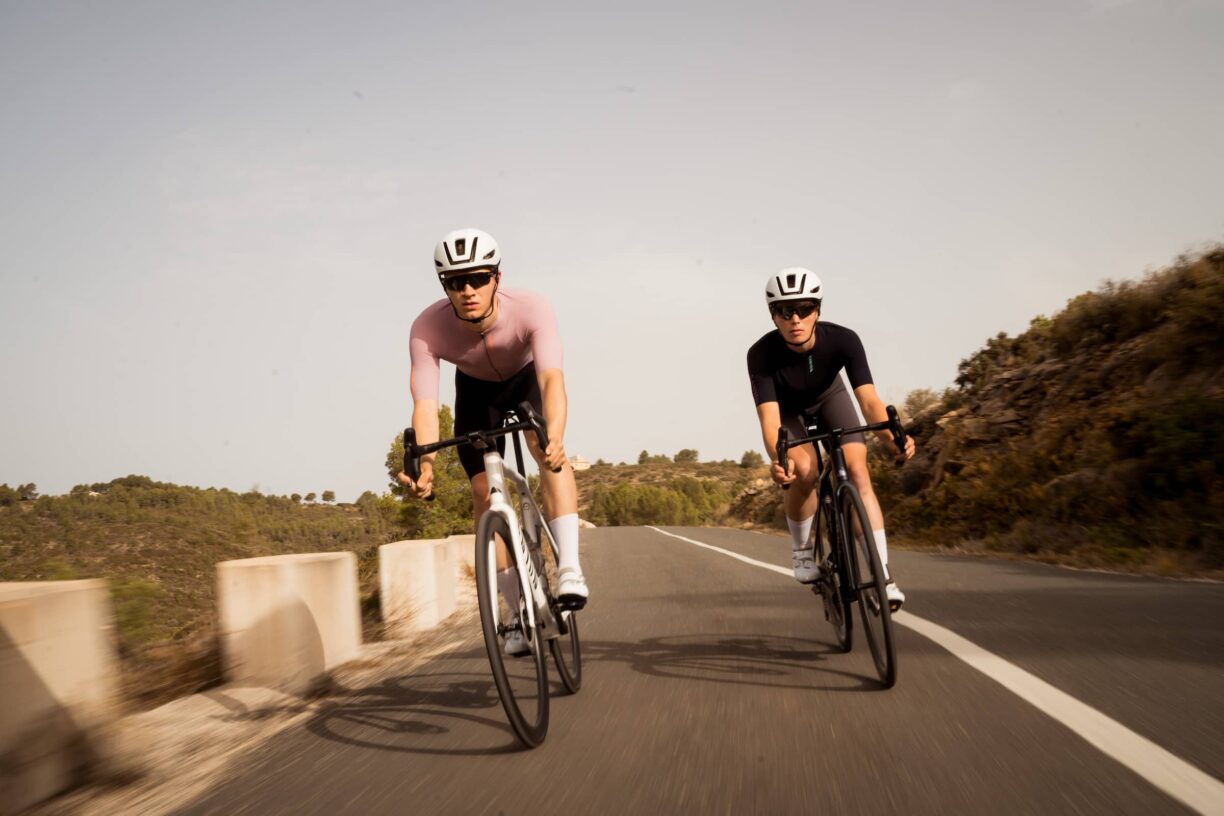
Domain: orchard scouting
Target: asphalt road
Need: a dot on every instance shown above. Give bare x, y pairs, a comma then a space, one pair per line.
711, 686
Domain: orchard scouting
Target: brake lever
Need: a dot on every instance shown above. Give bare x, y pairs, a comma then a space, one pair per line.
537, 425
898, 433
412, 459
780, 451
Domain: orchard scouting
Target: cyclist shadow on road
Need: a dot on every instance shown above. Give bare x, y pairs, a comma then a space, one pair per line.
758, 660
444, 712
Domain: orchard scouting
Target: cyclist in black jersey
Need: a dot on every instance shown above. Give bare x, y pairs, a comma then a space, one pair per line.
797, 369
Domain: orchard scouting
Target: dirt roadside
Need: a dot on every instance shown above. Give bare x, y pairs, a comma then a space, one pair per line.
163, 759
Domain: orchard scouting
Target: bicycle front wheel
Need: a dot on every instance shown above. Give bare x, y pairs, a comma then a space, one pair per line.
867, 573
522, 682
835, 589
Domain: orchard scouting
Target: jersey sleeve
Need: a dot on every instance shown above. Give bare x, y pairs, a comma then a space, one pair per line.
759, 378
424, 378
545, 337
856, 360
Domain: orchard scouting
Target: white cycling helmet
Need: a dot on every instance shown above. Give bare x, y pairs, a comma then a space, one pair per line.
793, 283
465, 250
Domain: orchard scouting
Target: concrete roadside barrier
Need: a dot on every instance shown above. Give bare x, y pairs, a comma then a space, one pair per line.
465, 547
58, 686
287, 619
417, 584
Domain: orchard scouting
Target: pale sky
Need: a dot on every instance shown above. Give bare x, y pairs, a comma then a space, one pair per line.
218, 219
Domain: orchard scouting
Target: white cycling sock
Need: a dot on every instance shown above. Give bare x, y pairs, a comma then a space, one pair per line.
800, 530
565, 531
508, 583
882, 546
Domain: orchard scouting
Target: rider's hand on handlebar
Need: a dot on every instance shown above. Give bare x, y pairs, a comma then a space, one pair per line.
554, 455
779, 475
423, 486
910, 447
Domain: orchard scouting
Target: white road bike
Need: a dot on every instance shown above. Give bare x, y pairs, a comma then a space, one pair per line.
522, 684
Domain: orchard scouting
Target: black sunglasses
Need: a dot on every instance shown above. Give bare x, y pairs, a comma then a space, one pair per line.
803, 308
478, 280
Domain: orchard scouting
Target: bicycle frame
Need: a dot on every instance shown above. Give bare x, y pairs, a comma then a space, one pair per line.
835, 471
539, 611
529, 576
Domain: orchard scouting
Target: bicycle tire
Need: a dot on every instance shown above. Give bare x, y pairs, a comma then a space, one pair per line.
569, 668
835, 591
869, 579
525, 702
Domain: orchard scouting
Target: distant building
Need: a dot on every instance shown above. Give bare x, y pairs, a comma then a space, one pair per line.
578, 463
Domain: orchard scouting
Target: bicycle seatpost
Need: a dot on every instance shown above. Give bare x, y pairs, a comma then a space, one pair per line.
780, 451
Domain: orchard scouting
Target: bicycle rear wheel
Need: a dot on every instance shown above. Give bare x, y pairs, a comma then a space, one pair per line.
567, 652
869, 579
564, 643
834, 588
522, 683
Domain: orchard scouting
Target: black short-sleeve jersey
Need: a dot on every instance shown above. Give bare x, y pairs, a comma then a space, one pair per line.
795, 380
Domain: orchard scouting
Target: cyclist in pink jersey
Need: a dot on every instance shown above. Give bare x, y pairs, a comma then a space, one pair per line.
506, 349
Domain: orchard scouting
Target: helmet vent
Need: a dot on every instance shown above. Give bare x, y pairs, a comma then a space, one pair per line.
490, 254
461, 247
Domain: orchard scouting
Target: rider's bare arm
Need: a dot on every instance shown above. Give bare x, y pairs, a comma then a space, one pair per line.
770, 416
875, 411
425, 423
555, 404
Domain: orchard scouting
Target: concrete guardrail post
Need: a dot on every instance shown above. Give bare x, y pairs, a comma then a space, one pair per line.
58, 686
287, 619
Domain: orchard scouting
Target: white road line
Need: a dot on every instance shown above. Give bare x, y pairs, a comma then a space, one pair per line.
1171, 774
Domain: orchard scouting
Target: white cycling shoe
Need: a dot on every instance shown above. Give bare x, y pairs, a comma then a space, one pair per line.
807, 571
516, 641
895, 596
571, 589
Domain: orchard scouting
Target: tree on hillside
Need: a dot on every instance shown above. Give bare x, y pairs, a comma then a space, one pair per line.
329, 496
686, 455
8, 496
310, 497
919, 399
296, 498
751, 459
643, 457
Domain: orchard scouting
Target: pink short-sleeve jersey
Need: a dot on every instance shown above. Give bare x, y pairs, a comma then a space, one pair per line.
525, 330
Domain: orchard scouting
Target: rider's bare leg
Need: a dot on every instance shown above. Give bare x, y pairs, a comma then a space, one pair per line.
856, 463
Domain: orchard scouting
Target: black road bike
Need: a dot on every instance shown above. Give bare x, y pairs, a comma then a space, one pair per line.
541, 617
850, 567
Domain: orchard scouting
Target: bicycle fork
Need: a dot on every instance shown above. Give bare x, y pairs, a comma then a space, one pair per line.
530, 583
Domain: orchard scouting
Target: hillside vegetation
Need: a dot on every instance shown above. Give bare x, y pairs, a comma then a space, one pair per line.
1096, 437
662, 491
157, 544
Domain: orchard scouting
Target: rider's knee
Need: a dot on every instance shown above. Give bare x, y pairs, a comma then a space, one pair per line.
860, 477
804, 470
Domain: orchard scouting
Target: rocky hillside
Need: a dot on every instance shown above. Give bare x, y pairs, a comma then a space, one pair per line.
1096, 437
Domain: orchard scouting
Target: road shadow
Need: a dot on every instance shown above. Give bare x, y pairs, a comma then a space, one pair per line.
419, 713
434, 712
767, 661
